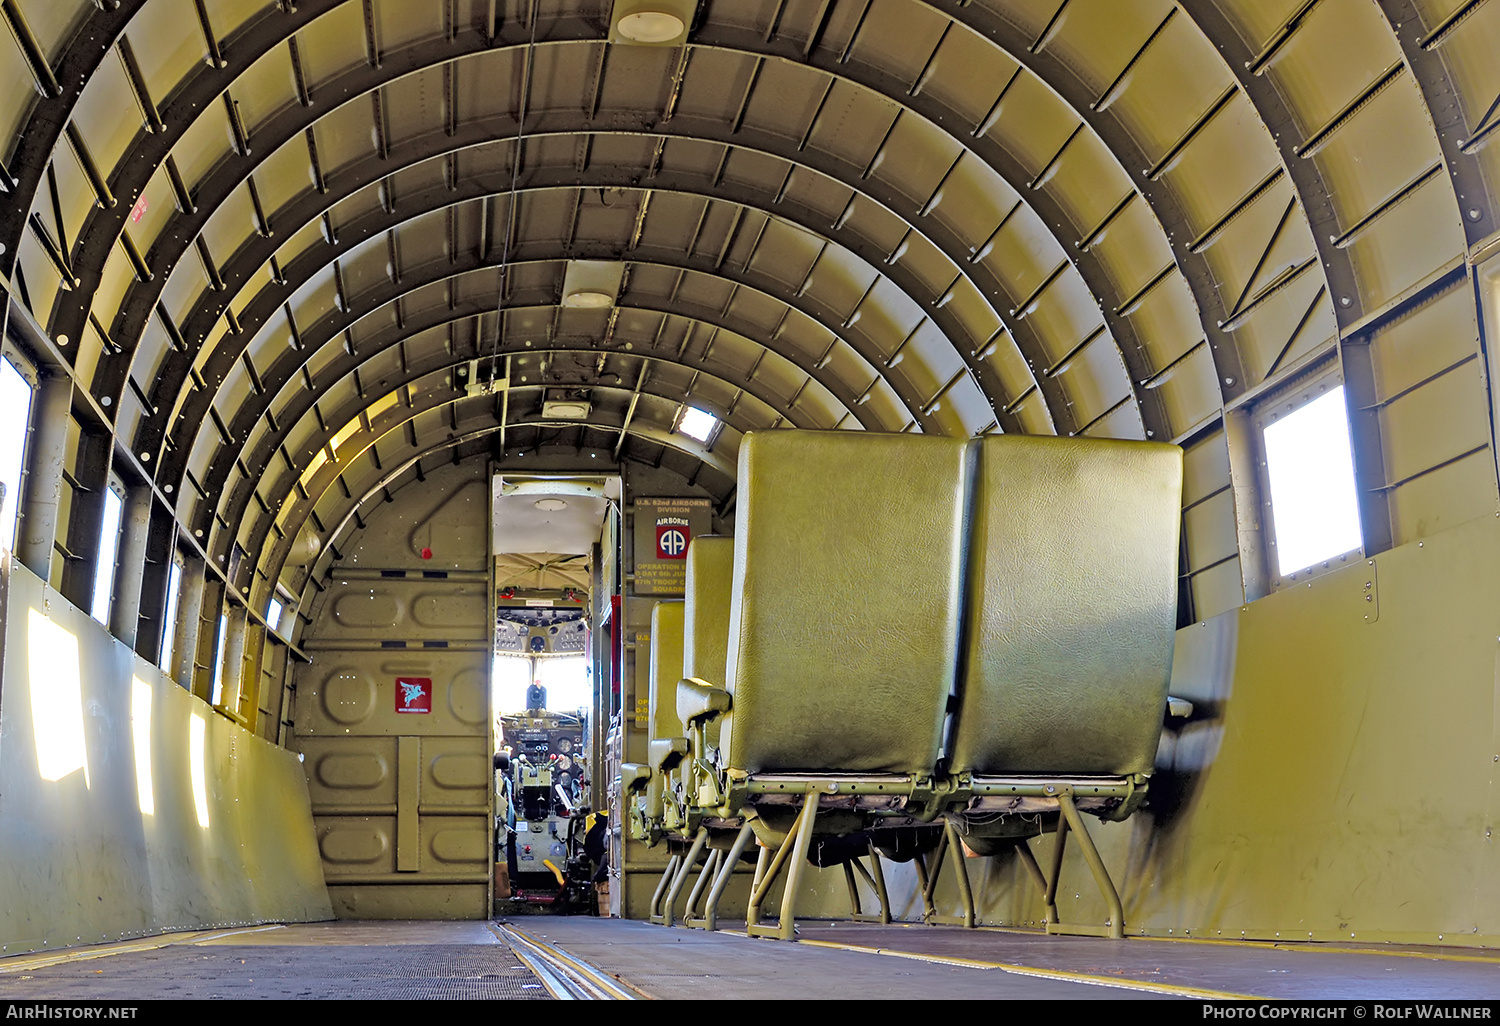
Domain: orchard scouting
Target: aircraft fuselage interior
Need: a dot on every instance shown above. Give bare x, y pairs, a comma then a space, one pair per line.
1023, 465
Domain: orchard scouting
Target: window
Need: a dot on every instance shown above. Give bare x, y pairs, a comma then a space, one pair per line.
511, 678
1309, 479
109, 547
566, 679
697, 424
220, 641
15, 415
273, 614
169, 618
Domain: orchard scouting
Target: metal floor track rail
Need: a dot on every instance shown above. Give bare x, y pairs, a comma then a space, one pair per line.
566, 978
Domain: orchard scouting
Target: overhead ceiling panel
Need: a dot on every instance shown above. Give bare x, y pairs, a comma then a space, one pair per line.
932, 216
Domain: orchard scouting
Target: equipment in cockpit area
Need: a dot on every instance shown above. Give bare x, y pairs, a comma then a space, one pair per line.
545, 851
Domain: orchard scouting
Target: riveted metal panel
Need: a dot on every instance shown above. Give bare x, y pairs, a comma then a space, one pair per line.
1456, 400
1425, 342
1205, 468
1034, 123
1095, 379
332, 43
1208, 530
1087, 179
130, 807
1445, 497
785, 94
1288, 326
916, 157
1409, 243
1008, 363
284, 174
1386, 144
898, 38
1217, 589
1156, 116
1063, 315
1123, 420
402, 798
1339, 48
1227, 159
1132, 250
1188, 390
17, 93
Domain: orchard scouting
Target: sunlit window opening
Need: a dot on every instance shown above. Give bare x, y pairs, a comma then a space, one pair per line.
15, 414
197, 753
56, 698
511, 679
566, 678
140, 735
169, 621
273, 614
1310, 467
697, 424
109, 546
218, 692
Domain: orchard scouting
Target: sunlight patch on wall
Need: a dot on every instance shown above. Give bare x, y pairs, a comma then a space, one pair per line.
197, 754
140, 736
56, 699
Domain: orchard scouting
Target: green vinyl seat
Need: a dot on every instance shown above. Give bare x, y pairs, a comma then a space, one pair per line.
667, 744
705, 632
843, 643
705, 639
1072, 600
705, 645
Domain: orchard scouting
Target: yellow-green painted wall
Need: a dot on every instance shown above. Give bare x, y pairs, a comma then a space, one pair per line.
224, 839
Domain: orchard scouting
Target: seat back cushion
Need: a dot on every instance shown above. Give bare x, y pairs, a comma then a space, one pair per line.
666, 669
705, 637
847, 594
1072, 606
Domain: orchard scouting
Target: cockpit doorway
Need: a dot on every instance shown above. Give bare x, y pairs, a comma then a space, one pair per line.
551, 599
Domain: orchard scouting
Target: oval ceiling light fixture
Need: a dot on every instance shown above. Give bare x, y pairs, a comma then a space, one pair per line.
651, 27
651, 22
551, 505
587, 299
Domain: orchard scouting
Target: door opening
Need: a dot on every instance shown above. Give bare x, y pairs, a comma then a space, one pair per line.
549, 835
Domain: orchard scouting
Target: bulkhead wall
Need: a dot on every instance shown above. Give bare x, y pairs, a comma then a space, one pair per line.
393, 712
128, 807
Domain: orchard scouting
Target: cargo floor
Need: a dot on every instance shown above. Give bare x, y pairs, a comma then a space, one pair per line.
831, 960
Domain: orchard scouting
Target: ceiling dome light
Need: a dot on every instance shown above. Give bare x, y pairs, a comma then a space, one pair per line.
588, 300
650, 26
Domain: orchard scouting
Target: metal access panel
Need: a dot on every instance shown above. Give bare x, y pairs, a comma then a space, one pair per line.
393, 713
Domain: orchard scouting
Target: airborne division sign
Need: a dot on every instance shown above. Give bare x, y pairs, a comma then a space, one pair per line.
663, 530
672, 536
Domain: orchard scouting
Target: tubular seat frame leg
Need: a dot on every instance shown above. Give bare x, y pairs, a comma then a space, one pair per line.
667, 876
950, 842
876, 883
710, 918
663, 916
795, 849
691, 916
1071, 822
